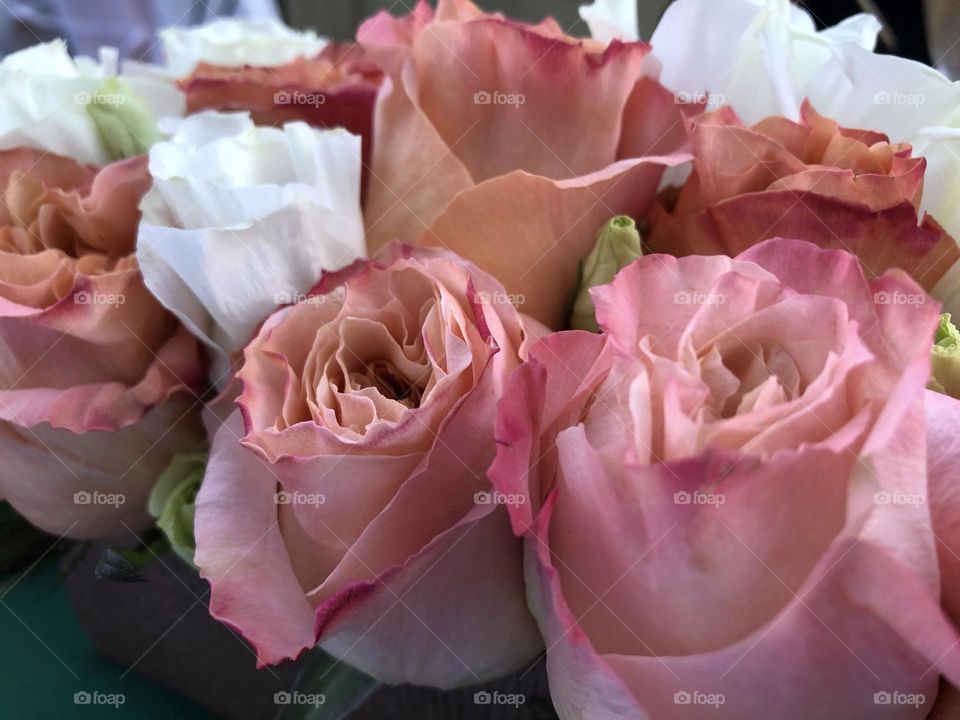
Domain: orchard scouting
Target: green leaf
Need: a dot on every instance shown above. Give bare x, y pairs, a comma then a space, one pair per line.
328, 689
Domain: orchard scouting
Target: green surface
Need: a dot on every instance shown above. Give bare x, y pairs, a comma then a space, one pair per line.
46, 658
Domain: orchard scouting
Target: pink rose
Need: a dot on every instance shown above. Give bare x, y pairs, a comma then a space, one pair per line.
335, 89
345, 501
723, 499
96, 378
943, 449
511, 144
812, 180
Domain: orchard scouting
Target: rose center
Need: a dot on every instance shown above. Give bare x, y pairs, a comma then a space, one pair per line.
764, 375
385, 378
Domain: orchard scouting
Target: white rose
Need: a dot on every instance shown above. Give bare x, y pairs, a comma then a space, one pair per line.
241, 217
265, 43
44, 94
759, 56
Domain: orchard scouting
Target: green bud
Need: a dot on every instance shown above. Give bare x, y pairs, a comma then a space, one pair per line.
172, 500
946, 359
124, 122
618, 245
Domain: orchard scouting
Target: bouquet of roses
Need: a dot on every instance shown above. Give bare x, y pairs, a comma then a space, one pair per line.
469, 341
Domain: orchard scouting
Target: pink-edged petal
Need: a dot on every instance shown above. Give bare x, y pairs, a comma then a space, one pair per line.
98, 358
882, 240
622, 306
107, 405
907, 317
571, 364
94, 484
241, 551
504, 97
582, 686
338, 88
107, 218
653, 121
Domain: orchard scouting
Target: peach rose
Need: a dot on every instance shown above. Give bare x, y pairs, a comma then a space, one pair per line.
354, 512
510, 144
724, 499
96, 379
812, 180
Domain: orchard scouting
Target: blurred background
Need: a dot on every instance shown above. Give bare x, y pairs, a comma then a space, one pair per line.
925, 30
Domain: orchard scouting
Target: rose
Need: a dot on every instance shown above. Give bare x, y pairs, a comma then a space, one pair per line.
242, 218
96, 379
813, 155
764, 57
943, 456
336, 88
347, 514
47, 96
726, 502
511, 144
812, 180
